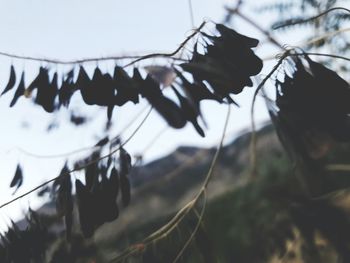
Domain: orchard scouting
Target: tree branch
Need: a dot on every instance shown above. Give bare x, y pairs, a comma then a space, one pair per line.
301, 21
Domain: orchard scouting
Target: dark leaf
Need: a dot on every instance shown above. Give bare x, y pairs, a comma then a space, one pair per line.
91, 175
40, 82
190, 110
87, 217
125, 86
104, 88
67, 89
234, 37
12, 81
17, 179
125, 161
19, 91
168, 109
64, 201
196, 91
77, 119
102, 142
84, 84
47, 94
125, 189
109, 191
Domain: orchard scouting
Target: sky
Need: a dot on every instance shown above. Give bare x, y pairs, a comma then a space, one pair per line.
75, 29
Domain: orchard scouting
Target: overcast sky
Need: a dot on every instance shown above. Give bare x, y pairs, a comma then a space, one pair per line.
74, 29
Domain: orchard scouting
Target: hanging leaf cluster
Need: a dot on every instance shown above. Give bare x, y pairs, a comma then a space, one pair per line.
97, 195
97, 198
225, 68
227, 64
24, 246
315, 98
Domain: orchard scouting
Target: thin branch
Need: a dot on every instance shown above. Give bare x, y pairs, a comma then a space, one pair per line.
325, 36
190, 7
194, 232
72, 62
216, 156
80, 167
319, 54
301, 21
196, 31
253, 136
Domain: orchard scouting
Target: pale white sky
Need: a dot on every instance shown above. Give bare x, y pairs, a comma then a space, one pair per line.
73, 29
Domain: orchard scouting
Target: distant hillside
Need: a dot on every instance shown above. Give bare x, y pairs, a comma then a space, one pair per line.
165, 185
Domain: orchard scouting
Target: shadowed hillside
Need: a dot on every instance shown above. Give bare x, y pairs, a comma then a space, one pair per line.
244, 221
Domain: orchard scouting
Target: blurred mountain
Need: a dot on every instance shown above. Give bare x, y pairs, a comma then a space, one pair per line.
164, 186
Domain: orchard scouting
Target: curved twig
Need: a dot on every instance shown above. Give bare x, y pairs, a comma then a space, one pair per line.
77, 61
301, 21
318, 54
194, 232
196, 31
253, 136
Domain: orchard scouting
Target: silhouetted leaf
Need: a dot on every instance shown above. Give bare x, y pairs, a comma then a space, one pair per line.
125, 165
109, 191
19, 91
41, 82
196, 91
125, 86
67, 89
102, 142
233, 38
77, 119
125, 189
168, 109
47, 93
17, 180
104, 89
84, 84
85, 206
125, 161
190, 110
12, 81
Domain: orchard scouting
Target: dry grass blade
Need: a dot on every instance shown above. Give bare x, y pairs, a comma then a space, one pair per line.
200, 218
